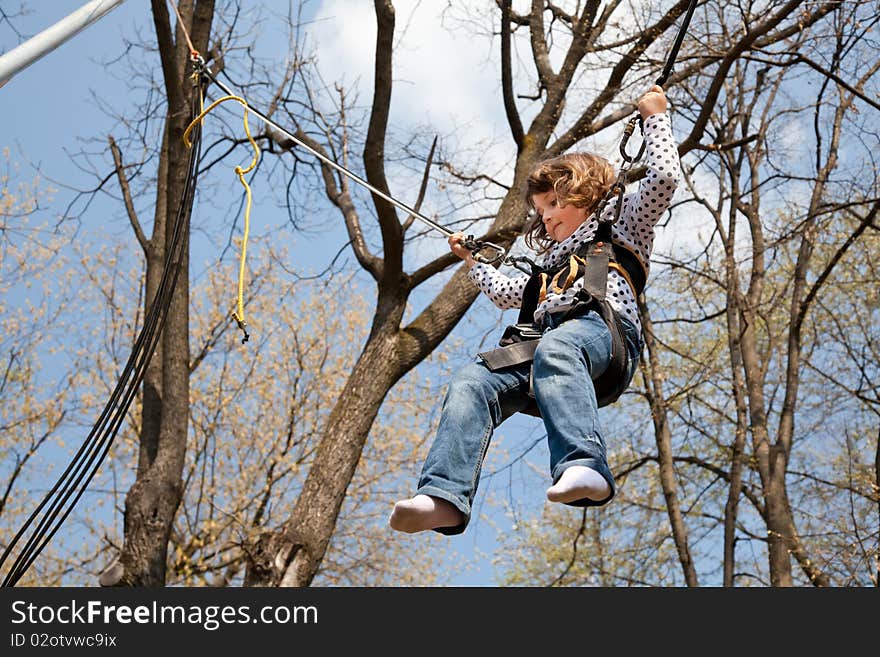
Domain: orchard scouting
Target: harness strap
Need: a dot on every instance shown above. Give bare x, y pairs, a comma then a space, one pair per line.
510, 355
630, 267
591, 262
520, 342
542, 293
571, 277
596, 262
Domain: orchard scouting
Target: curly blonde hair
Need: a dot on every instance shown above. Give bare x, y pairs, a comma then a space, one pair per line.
581, 179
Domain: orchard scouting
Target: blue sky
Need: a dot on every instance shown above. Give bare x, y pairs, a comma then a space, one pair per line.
444, 82
47, 107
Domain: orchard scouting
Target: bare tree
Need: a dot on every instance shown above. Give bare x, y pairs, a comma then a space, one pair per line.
765, 343
9, 19
760, 330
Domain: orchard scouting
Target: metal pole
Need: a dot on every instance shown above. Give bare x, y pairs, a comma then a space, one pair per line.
46, 41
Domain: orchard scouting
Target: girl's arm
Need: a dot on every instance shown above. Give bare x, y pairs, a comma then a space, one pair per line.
504, 291
661, 161
663, 171
643, 209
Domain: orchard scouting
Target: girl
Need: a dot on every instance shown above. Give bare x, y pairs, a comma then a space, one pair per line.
565, 193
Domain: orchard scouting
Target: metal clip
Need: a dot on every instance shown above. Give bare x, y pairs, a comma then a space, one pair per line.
241, 325
520, 263
627, 133
479, 249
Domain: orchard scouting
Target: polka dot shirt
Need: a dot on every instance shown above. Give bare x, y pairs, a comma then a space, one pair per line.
635, 230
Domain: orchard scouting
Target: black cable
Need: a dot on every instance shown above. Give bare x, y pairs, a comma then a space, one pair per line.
97, 444
676, 46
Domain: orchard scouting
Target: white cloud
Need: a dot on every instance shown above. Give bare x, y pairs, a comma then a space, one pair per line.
441, 76
446, 81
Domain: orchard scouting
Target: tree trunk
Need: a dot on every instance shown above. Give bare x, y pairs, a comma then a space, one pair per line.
663, 436
151, 503
734, 318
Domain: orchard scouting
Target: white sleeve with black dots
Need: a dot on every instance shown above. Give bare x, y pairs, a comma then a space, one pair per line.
641, 211
504, 291
644, 208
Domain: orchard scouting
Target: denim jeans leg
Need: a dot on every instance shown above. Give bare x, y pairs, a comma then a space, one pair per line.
567, 360
476, 402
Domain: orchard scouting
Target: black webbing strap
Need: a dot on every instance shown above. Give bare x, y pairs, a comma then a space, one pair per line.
510, 355
676, 46
612, 382
608, 386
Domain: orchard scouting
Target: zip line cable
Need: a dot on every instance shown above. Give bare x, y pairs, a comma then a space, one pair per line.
76, 478
485, 252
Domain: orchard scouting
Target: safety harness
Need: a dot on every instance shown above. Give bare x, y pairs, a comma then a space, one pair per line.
591, 263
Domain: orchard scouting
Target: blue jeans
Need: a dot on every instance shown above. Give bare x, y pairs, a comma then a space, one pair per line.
568, 357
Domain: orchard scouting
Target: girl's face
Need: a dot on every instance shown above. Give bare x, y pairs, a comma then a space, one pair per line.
559, 221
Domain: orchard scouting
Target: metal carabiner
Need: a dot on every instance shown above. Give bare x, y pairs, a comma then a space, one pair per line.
520, 263
627, 133
478, 248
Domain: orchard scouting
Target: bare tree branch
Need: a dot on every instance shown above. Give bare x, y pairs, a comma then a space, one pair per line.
583, 125
374, 152
513, 120
341, 198
747, 41
423, 186
540, 53
126, 195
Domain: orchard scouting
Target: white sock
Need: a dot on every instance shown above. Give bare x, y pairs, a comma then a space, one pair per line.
578, 482
424, 512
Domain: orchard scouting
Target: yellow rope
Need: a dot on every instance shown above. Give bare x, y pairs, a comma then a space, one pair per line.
237, 316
